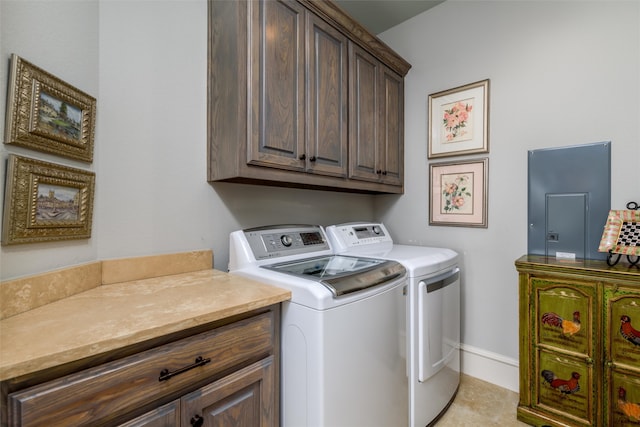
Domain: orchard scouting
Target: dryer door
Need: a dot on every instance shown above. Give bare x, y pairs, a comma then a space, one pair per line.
438, 322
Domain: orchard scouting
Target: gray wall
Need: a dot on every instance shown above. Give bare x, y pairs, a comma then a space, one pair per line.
562, 73
145, 62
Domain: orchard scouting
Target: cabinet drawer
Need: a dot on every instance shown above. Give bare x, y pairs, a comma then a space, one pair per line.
116, 388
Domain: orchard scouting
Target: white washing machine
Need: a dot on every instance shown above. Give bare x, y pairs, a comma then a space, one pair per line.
343, 355
433, 313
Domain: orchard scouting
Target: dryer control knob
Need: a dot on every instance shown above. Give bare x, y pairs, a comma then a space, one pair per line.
377, 229
286, 240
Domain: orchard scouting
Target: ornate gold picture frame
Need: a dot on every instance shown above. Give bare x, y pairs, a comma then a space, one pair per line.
46, 202
46, 114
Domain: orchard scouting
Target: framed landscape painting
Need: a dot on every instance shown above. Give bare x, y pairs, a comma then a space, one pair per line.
458, 193
459, 121
46, 202
46, 114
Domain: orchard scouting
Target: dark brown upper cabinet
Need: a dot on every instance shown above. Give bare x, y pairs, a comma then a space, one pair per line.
300, 95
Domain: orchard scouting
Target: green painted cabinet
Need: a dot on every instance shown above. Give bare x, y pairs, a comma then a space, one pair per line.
622, 354
579, 355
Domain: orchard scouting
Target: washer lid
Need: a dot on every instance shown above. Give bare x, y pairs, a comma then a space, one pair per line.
343, 274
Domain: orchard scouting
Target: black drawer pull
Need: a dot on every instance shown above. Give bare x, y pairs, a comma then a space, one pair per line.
196, 421
165, 374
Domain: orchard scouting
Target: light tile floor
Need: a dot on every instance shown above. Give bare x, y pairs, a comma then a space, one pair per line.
479, 404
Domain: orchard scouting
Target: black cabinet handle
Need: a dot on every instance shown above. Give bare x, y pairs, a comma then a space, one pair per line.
384, 172
196, 421
302, 156
379, 171
312, 158
165, 374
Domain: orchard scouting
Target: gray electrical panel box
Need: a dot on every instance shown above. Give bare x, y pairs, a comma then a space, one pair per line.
569, 199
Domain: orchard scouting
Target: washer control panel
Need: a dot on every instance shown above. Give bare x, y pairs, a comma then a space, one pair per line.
345, 236
284, 240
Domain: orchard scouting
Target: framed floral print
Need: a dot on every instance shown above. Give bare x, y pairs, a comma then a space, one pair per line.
46, 114
458, 193
459, 121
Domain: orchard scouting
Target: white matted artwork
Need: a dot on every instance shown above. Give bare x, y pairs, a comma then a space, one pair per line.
459, 121
458, 193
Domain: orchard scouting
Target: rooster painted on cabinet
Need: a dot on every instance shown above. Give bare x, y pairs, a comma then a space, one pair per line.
569, 386
631, 410
569, 327
627, 331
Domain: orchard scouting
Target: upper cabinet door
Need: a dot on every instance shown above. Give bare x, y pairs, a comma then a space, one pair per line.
326, 99
276, 85
391, 139
363, 114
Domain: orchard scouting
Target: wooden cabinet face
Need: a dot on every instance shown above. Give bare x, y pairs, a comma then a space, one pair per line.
363, 120
376, 122
564, 386
392, 128
563, 315
244, 398
563, 369
326, 142
165, 416
623, 326
622, 353
624, 399
99, 394
277, 84
295, 94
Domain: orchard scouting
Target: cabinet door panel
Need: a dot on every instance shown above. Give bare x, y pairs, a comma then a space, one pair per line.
564, 387
277, 85
363, 120
327, 98
165, 416
244, 399
624, 399
392, 127
623, 326
563, 315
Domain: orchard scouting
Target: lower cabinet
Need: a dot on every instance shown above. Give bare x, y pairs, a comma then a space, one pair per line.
244, 398
224, 376
579, 343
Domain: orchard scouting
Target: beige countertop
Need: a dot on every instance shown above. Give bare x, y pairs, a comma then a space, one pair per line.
111, 316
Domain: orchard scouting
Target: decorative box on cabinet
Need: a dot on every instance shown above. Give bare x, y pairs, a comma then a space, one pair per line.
281, 93
227, 374
576, 366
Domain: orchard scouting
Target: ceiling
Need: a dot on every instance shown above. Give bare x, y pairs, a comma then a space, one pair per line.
380, 15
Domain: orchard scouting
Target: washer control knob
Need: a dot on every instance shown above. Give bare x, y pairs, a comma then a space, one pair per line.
286, 240
377, 229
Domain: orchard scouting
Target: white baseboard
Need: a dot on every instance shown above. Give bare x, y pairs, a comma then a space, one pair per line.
490, 367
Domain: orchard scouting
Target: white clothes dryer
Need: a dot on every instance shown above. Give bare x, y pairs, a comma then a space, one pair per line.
433, 313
